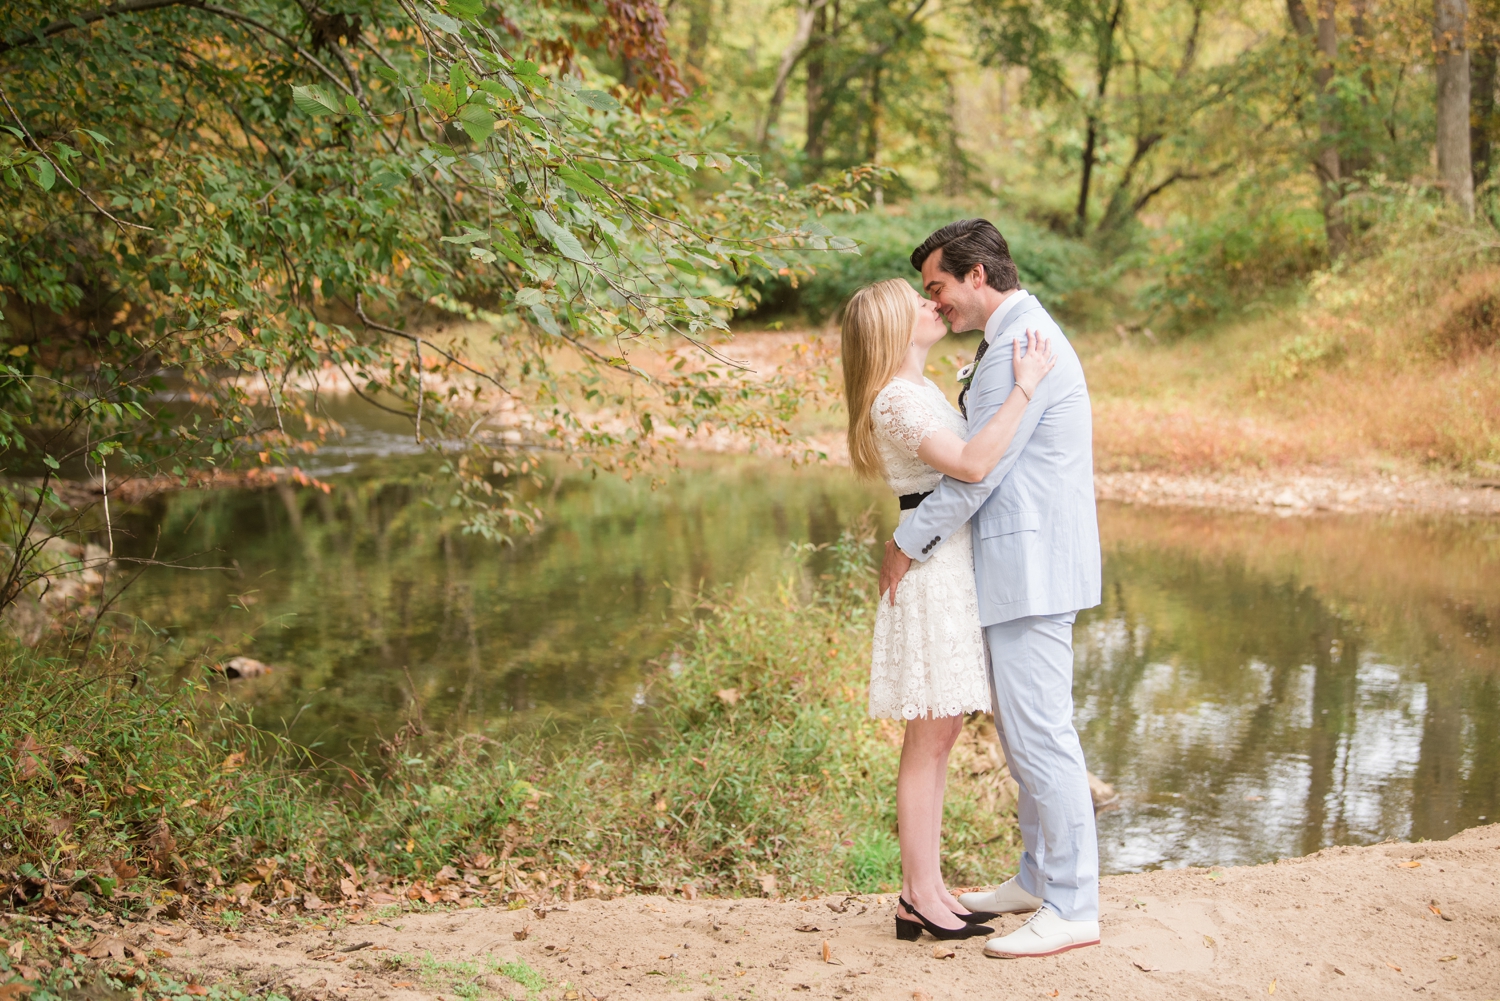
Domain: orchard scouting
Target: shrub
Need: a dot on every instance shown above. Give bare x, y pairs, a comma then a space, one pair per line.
1054, 267
1204, 271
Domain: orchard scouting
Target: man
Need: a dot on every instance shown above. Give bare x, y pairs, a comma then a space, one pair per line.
1036, 562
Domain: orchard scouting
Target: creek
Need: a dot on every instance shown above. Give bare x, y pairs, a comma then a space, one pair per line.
1255, 687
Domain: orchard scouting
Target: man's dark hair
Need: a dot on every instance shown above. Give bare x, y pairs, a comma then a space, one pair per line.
969, 242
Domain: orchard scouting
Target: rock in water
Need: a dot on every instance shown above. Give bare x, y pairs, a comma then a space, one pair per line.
244, 667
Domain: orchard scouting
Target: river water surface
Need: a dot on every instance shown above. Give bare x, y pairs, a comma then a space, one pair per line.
1255, 687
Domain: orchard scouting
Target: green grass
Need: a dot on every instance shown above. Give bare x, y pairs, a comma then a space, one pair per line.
753, 767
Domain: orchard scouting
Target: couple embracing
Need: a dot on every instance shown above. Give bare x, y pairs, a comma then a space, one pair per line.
996, 552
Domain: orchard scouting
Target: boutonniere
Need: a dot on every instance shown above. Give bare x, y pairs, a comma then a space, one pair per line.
966, 374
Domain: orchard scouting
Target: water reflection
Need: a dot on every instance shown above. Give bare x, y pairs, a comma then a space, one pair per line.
1255, 687
1262, 688
359, 595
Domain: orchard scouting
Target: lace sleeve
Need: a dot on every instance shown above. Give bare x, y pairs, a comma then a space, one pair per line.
900, 414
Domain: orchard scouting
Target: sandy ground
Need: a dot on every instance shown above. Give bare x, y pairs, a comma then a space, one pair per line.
1295, 493
1386, 921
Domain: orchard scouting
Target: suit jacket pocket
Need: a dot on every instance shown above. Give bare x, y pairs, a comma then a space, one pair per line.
1008, 523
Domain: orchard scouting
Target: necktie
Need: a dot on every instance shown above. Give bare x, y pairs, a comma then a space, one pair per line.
963, 395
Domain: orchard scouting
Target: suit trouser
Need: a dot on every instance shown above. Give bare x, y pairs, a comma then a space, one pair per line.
1031, 688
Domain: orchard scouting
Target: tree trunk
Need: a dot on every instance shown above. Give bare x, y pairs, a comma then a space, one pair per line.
1104, 64
1454, 166
795, 49
1486, 62
816, 113
1329, 163
700, 21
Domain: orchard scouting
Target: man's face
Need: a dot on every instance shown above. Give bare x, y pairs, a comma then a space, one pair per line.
960, 300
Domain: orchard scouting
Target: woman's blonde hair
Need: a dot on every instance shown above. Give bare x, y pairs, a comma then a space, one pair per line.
875, 333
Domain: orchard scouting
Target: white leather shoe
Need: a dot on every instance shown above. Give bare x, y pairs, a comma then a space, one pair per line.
1007, 898
1043, 934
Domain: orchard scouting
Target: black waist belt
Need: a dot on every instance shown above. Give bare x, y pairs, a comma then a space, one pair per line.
909, 501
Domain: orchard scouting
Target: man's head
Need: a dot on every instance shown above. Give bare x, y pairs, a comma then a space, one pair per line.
966, 269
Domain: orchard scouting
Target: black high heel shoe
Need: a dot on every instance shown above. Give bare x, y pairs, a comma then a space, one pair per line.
975, 917
908, 930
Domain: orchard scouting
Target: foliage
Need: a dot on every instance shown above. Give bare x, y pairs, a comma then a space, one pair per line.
752, 765
1203, 271
209, 212
1056, 268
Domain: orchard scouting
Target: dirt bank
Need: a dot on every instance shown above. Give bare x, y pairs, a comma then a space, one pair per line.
1380, 922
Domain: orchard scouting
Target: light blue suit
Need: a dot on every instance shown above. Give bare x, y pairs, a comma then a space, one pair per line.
1036, 564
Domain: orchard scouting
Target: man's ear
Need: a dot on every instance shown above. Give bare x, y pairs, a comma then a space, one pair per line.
977, 277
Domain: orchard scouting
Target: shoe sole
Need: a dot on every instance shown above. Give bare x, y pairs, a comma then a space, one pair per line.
1039, 955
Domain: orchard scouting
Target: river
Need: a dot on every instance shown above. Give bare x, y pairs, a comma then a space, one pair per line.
1255, 687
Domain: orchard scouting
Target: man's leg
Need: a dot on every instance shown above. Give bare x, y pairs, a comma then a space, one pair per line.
1033, 679
1029, 871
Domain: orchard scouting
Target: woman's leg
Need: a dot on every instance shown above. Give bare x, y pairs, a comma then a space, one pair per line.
924, 754
939, 785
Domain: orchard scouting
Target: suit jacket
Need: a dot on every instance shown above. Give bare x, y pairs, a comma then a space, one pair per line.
1036, 532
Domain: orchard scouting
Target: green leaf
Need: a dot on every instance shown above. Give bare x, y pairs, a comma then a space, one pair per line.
545, 319
560, 237
477, 121
101, 140
387, 179
580, 182
472, 236
682, 265
671, 164
51, 462
387, 74
351, 104
598, 100
458, 80
442, 21
466, 9
314, 101
45, 175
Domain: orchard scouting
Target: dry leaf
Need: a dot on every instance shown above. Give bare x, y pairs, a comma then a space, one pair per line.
920, 996
941, 951
1208, 942
728, 696
690, 891
1272, 988
13, 990
1393, 966
17, 949
232, 762
806, 927
197, 990
571, 996
1413, 864
1446, 959
106, 946
520, 935
404, 983
768, 885
1339, 972
1144, 967
827, 952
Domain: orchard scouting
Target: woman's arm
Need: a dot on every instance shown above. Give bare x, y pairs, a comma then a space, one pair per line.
972, 460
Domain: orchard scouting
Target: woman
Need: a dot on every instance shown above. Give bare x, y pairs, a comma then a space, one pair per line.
928, 665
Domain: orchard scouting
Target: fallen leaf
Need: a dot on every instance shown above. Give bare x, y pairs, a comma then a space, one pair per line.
728, 696
920, 996
1434, 909
17, 949
1339, 972
1447, 959
941, 951
520, 934
827, 952
1272, 988
1413, 864
806, 927
403, 983
106, 946
232, 762
1393, 966
14, 989
1208, 942
768, 885
1144, 967
197, 990
571, 996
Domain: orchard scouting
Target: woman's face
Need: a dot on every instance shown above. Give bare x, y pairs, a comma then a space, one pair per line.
928, 328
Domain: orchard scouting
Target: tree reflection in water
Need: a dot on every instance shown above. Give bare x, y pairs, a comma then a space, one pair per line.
1263, 687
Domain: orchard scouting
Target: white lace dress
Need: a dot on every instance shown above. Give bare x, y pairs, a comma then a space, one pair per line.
929, 648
